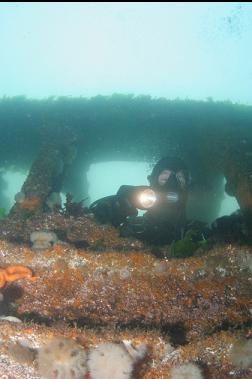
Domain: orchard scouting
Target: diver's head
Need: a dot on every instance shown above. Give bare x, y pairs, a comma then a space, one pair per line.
169, 174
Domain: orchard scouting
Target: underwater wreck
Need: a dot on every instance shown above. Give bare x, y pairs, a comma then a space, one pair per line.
74, 291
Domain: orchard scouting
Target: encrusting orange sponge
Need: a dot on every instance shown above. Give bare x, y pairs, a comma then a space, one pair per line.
13, 273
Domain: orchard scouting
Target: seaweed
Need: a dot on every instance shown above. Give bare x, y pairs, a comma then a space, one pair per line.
75, 209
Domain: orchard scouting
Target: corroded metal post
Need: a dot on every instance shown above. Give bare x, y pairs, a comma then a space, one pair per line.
47, 173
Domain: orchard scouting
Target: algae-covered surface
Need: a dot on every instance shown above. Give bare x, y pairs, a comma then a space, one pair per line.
182, 310
73, 289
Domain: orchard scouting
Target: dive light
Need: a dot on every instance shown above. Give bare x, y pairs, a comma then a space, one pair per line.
143, 197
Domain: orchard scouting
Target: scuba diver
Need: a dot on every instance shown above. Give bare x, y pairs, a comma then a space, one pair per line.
164, 221
164, 200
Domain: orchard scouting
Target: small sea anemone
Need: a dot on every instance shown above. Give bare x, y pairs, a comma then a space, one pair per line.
241, 353
62, 358
186, 371
114, 361
42, 240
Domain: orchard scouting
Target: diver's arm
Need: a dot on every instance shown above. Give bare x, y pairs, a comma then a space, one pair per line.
105, 210
114, 209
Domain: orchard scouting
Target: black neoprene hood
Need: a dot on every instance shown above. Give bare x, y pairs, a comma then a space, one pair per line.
168, 163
